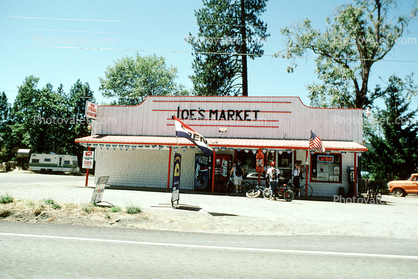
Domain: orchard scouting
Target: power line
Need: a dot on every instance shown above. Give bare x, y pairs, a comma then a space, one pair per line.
191, 52
82, 31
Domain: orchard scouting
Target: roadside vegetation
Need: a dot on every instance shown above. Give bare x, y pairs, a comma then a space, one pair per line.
49, 210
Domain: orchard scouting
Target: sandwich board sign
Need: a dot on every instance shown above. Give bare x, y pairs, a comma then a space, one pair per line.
88, 159
176, 179
99, 189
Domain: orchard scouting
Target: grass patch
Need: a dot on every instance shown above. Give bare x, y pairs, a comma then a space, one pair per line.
133, 209
6, 199
87, 208
115, 209
56, 206
49, 201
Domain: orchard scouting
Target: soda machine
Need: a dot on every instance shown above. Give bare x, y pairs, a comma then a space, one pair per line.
202, 172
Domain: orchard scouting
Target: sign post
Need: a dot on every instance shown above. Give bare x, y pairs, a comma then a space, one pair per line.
88, 161
176, 180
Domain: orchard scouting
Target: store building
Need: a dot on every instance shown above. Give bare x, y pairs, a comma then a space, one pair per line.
135, 145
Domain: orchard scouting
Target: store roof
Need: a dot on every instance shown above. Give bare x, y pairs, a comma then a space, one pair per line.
126, 142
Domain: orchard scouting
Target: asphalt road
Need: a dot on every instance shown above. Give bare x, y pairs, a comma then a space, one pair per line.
58, 251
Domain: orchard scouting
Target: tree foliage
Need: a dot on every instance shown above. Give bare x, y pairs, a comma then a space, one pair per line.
4, 128
392, 135
358, 36
45, 120
229, 31
131, 79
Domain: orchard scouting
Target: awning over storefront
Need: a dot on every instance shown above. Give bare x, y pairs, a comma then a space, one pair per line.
133, 142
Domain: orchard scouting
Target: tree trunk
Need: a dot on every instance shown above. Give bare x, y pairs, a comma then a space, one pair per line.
244, 51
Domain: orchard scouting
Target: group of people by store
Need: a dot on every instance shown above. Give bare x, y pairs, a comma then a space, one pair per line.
272, 176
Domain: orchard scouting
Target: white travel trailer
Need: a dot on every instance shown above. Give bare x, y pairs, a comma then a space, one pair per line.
53, 163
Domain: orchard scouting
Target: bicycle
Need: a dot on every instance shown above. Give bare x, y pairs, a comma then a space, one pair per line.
282, 190
302, 184
229, 186
373, 194
255, 192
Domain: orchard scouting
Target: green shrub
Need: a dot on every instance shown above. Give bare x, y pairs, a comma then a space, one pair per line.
49, 201
56, 206
115, 209
133, 209
6, 199
87, 208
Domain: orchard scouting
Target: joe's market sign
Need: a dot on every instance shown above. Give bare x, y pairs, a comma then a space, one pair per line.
217, 114
88, 159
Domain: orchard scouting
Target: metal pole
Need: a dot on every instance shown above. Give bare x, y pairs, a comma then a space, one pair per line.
213, 171
87, 172
355, 173
169, 165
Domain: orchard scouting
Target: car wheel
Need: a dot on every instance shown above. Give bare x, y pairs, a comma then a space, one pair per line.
398, 192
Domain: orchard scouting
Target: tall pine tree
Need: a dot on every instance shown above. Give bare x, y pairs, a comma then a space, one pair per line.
229, 32
393, 139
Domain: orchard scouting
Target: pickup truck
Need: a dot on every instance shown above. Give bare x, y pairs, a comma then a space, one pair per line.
401, 188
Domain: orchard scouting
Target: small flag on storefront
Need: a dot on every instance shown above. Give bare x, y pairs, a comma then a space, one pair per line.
316, 143
182, 130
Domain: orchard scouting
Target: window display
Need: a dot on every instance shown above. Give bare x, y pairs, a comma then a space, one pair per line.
326, 167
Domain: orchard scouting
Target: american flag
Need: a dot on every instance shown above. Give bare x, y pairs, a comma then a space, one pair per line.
316, 143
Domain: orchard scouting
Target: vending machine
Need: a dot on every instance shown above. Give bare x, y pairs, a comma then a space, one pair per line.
223, 166
202, 173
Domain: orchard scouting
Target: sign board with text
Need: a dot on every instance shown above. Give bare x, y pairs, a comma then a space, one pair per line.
88, 159
91, 110
176, 179
99, 189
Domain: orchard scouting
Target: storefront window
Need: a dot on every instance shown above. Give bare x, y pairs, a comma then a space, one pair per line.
284, 164
326, 167
248, 160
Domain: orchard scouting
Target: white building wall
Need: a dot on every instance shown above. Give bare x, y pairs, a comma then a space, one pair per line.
143, 167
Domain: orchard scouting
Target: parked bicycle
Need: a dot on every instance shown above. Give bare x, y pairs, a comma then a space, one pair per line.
229, 186
282, 191
302, 184
373, 194
255, 190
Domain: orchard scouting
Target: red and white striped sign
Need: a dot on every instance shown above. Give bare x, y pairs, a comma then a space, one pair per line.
91, 110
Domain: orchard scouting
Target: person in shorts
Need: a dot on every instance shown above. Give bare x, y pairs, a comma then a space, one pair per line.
272, 177
238, 172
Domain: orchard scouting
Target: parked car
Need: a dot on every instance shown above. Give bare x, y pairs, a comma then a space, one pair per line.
401, 188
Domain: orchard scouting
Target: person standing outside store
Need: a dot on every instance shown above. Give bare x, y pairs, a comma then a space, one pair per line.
272, 176
238, 172
296, 178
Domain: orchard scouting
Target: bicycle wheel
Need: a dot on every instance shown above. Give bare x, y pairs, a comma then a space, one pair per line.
246, 186
267, 193
303, 191
253, 193
288, 195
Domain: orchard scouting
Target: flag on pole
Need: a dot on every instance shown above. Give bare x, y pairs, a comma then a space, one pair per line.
316, 143
182, 130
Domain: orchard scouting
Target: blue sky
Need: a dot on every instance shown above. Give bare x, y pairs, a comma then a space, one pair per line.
49, 39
